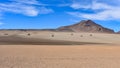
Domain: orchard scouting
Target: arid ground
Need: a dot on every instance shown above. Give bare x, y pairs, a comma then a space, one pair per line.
34, 49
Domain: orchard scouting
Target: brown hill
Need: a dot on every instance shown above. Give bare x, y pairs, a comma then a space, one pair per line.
86, 26
118, 32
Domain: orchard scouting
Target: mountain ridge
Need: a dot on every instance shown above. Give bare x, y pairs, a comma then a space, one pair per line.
86, 26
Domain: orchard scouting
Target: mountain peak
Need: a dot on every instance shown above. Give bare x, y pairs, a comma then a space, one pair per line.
86, 26
86, 23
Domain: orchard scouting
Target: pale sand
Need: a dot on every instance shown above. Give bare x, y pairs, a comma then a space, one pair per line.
64, 37
40, 50
34, 56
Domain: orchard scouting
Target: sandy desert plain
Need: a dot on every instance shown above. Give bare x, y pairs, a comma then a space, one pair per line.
46, 49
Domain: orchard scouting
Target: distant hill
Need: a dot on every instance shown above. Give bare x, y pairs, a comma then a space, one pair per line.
85, 26
118, 32
82, 26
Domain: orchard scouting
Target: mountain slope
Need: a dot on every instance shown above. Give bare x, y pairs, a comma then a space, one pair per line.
86, 26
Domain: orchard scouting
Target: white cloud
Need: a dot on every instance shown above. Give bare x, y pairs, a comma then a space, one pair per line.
44, 10
108, 11
94, 5
104, 15
24, 7
27, 1
78, 6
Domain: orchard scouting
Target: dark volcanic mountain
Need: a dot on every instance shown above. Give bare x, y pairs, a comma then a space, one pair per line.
86, 26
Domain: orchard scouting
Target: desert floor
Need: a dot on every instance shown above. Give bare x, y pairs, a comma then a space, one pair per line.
35, 56
63, 50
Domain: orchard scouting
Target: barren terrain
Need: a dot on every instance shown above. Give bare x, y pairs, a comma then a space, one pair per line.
33, 56
46, 49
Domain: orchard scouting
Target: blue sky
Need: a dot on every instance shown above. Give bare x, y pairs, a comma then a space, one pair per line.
41, 14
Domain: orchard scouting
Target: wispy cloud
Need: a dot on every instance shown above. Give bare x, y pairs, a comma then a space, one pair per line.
44, 10
19, 8
94, 6
25, 7
104, 15
27, 1
107, 11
